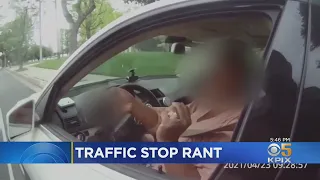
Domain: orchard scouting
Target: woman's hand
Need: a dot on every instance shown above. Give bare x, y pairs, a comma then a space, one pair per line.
125, 103
174, 122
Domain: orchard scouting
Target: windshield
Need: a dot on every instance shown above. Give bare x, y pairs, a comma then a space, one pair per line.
148, 58
144, 63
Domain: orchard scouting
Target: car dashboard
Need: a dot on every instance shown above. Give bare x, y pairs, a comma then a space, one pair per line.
77, 113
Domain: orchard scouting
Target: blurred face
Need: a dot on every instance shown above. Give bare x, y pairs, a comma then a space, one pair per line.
215, 71
225, 81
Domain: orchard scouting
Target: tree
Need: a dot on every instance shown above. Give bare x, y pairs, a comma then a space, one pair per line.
33, 52
24, 25
16, 36
47, 52
140, 1
100, 17
64, 40
82, 9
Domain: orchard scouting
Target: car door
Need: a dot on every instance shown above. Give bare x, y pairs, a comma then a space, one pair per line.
306, 124
270, 118
104, 42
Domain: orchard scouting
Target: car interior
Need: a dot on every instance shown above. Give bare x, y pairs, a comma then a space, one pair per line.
83, 112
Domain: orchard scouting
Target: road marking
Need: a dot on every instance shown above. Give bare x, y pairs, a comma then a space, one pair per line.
5, 139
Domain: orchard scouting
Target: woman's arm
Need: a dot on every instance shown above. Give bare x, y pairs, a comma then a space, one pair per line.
148, 117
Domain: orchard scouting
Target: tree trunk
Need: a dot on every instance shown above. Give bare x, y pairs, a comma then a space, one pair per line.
73, 43
21, 64
88, 26
20, 56
88, 33
75, 24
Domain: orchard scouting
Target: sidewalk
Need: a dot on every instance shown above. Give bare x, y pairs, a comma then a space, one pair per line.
40, 76
37, 76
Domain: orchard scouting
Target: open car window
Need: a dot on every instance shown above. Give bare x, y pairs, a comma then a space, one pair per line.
154, 65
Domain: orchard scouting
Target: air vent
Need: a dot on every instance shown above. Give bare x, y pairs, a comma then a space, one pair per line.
72, 122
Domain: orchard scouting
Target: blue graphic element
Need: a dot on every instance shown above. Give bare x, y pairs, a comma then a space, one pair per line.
44, 153
35, 152
232, 152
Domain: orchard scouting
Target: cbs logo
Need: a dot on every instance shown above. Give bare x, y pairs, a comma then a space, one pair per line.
44, 153
284, 148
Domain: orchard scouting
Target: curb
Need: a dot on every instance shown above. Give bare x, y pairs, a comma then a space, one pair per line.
26, 78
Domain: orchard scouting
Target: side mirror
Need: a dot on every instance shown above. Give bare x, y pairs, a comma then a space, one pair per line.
20, 119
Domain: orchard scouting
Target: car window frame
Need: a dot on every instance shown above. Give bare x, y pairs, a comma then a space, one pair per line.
267, 56
57, 84
304, 128
236, 173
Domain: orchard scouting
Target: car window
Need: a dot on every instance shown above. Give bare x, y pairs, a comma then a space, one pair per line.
173, 66
158, 63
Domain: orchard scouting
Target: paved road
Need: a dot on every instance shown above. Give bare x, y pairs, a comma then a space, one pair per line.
11, 90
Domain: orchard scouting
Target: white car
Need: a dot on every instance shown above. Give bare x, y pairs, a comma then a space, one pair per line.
69, 107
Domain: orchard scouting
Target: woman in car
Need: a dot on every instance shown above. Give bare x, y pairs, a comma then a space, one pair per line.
219, 94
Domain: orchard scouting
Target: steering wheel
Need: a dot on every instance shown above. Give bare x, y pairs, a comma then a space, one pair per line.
131, 88
128, 129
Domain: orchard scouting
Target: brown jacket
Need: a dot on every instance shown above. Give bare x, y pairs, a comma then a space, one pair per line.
207, 126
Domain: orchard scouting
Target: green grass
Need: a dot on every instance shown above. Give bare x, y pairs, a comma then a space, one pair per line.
51, 64
145, 63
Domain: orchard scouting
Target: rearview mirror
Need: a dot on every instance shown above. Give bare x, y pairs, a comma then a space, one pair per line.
178, 48
20, 119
